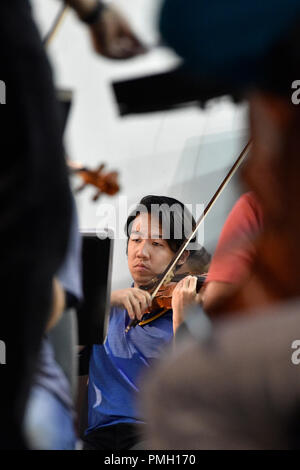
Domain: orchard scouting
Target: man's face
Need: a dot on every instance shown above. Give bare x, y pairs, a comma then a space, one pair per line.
148, 253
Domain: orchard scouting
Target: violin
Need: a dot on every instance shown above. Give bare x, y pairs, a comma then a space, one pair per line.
163, 298
106, 183
162, 301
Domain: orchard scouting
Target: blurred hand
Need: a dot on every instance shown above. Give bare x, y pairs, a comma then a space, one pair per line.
135, 301
183, 296
113, 37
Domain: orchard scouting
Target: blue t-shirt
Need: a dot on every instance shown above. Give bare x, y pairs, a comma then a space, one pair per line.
116, 366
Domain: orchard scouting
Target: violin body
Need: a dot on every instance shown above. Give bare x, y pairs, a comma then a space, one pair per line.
163, 298
162, 302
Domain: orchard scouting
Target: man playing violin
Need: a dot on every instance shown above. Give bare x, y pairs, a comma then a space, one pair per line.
155, 231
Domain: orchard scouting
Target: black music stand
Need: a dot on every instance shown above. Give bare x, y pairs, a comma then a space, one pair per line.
93, 313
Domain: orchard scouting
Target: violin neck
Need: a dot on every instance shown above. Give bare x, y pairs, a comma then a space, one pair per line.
78, 170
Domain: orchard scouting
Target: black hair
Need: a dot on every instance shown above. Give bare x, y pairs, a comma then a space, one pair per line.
171, 213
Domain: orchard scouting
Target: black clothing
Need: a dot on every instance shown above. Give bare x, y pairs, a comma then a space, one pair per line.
119, 436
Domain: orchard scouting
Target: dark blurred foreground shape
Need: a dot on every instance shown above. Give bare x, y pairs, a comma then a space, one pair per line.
34, 208
240, 390
233, 47
227, 48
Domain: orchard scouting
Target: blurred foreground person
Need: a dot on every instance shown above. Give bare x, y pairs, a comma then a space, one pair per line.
237, 390
34, 198
34, 208
50, 412
49, 416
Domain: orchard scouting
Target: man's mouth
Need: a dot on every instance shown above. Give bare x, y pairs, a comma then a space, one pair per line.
141, 267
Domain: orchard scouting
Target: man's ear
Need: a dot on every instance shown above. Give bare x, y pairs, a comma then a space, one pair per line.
183, 258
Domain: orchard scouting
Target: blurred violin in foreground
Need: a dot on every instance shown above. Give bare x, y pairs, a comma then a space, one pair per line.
106, 183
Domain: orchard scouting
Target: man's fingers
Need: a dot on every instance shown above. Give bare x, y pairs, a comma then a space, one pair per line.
136, 303
129, 308
144, 299
180, 286
133, 308
193, 283
143, 305
148, 299
136, 306
190, 282
142, 294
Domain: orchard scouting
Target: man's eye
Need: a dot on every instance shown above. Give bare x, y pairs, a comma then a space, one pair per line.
156, 244
136, 239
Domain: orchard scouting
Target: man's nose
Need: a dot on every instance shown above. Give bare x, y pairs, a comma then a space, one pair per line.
143, 251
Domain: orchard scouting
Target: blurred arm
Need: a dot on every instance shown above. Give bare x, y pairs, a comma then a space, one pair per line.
58, 304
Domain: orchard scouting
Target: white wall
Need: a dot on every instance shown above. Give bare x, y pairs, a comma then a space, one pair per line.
183, 154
